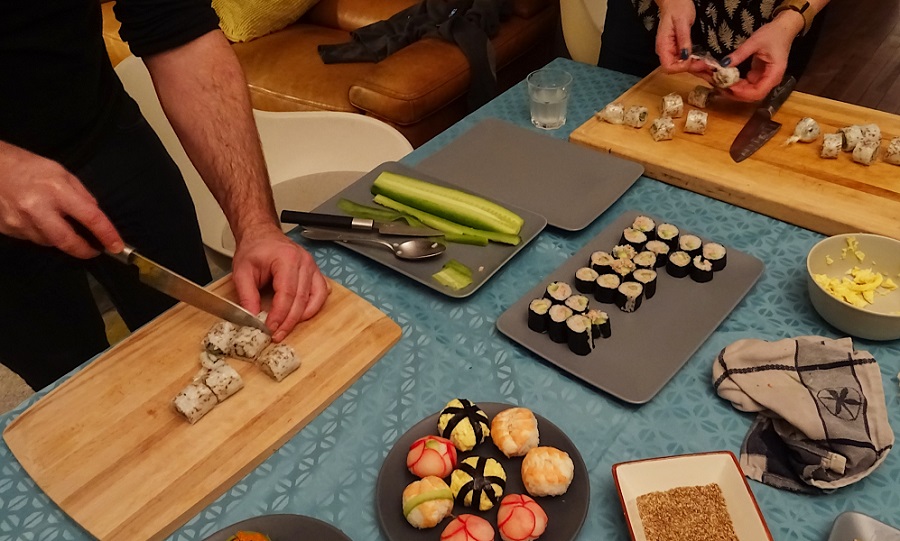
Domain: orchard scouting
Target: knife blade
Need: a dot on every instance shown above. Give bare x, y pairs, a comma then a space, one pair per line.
349, 222
174, 285
761, 128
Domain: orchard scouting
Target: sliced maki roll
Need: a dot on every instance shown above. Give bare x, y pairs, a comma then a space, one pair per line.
669, 234
585, 280
679, 264
537, 314
600, 325
661, 249
701, 270
646, 225
601, 261
629, 297
579, 336
716, 254
558, 292
623, 251
647, 278
578, 304
645, 260
623, 268
556, 325
607, 284
634, 238
690, 244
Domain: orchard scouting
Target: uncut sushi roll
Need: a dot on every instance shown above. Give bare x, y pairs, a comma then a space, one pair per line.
662, 129
669, 234
623, 268
716, 254
578, 303
645, 260
636, 116
427, 502
671, 105
219, 338
478, 482
600, 325
701, 270
558, 292
634, 238
556, 324
679, 264
629, 296
195, 401
607, 284
646, 225
690, 244
601, 261
585, 279
279, 361
464, 423
831, 146
622, 251
647, 278
660, 249
696, 122
579, 334
538, 314
223, 381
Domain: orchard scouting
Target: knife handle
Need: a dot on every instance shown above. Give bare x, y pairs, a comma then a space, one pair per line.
124, 256
325, 220
779, 94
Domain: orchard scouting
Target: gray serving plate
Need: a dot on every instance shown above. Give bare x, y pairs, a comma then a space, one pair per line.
650, 345
483, 260
525, 168
566, 513
853, 526
283, 528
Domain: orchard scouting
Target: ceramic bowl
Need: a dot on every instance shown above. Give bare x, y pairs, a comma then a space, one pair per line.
639, 477
877, 321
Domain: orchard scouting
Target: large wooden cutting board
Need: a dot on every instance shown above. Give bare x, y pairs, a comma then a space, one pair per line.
791, 183
109, 449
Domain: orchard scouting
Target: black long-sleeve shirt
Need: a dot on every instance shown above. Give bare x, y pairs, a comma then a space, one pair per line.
57, 85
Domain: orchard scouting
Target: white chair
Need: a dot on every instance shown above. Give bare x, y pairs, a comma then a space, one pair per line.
311, 156
582, 25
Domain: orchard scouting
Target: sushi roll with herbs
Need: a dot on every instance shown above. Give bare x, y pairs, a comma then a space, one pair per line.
806, 131
831, 146
716, 254
866, 152
696, 122
427, 502
892, 156
669, 234
556, 324
547, 471
647, 278
634, 238
478, 482
279, 361
660, 249
578, 303
223, 381
219, 338
690, 244
579, 334
871, 133
699, 96
464, 423
431, 455
585, 277
195, 401
601, 261
679, 264
249, 342
636, 116
701, 270
607, 284
600, 325
629, 296
614, 113
671, 106
515, 431
725, 77
850, 137
662, 129
558, 292
538, 310
520, 518
468, 527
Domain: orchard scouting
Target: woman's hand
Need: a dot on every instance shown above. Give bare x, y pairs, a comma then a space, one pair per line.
673, 37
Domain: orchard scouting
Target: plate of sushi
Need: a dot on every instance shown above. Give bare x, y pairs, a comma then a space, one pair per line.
279, 528
476, 472
481, 261
632, 306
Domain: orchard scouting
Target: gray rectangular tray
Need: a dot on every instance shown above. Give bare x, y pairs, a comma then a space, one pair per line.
504, 161
650, 345
483, 260
853, 526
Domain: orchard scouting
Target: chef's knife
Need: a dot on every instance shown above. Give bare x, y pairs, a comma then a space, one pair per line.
174, 285
349, 222
760, 128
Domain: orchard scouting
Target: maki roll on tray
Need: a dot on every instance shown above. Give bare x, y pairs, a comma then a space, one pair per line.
716, 254
600, 325
645, 260
661, 249
669, 234
679, 264
585, 279
538, 315
556, 325
601, 261
629, 296
701, 270
579, 334
558, 292
647, 278
634, 238
578, 303
607, 284
690, 244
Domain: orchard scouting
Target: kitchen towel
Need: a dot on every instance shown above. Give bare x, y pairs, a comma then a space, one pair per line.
822, 421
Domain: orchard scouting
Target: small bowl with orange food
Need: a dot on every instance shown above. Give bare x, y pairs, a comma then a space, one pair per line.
854, 284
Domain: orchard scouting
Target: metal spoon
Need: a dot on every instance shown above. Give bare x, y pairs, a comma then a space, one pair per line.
411, 249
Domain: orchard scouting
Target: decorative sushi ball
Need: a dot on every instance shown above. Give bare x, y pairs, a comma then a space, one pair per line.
468, 528
520, 518
515, 431
464, 423
547, 471
427, 502
478, 482
431, 455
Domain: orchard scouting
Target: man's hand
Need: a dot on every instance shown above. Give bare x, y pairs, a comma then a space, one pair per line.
673, 37
38, 195
268, 256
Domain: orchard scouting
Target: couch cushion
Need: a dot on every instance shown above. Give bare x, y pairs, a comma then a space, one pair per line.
244, 20
349, 15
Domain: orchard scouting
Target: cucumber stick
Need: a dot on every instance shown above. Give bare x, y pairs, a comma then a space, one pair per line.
448, 203
446, 225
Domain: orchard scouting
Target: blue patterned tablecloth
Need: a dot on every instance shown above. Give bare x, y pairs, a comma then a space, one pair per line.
451, 348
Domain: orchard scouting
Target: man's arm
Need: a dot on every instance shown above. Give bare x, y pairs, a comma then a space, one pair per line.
204, 94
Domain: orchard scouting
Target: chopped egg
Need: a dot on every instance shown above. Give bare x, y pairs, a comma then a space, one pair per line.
858, 287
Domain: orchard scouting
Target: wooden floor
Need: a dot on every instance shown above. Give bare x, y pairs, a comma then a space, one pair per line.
857, 57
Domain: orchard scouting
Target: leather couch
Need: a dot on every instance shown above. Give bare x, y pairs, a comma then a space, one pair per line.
420, 90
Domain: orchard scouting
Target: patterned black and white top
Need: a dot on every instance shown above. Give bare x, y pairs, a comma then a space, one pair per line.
724, 24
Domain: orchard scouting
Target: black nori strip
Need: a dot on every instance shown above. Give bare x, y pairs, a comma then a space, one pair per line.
600, 325
580, 341
468, 412
480, 483
537, 321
